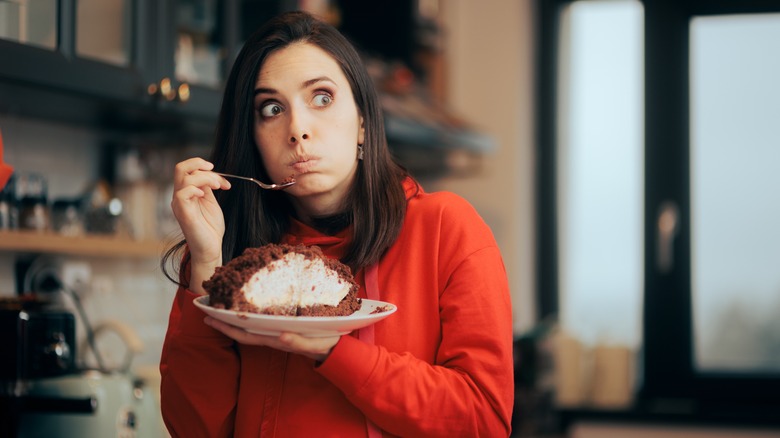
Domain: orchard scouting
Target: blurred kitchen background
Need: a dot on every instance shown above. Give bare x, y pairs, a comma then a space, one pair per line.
624, 153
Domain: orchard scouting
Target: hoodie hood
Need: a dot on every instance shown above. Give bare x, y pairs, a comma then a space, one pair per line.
335, 245
332, 245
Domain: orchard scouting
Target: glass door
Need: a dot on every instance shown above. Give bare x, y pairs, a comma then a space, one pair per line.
199, 41
599, 171
104, 31
197, 45
735, 211
704, 182
31, 22
201, 56
77, 47
713, 287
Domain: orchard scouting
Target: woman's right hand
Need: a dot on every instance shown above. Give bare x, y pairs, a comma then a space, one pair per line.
199, 215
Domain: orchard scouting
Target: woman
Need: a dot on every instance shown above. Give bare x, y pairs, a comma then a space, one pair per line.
299, 101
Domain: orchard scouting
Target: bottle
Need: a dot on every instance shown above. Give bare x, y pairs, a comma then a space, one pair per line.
138, 195
9, 206
67, 218
33, 208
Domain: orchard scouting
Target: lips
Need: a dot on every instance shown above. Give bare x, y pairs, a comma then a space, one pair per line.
304, 165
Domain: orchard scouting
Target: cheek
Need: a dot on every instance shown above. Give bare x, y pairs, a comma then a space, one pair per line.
350, 130
265, 138
259, 142
267, 152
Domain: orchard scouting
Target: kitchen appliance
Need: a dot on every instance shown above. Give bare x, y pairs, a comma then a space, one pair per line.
92, 404
42, 344
44, 393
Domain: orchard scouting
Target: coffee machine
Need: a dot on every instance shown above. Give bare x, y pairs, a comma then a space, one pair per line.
44, 391
42, 343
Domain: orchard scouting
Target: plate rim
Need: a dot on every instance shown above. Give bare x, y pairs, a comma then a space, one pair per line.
352, 317
309, 326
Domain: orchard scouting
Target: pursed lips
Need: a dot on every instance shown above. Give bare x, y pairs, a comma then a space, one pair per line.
303, 165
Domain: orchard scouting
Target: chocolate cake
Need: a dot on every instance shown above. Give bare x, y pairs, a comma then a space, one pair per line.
279, 279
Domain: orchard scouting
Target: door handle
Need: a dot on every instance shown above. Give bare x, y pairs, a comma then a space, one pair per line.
668, 225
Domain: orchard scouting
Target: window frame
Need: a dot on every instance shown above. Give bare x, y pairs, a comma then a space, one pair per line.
670, 387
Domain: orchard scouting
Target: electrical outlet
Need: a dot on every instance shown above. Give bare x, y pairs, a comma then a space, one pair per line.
76, 275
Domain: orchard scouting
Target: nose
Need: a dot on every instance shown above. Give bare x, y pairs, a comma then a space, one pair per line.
298, 127
294, 139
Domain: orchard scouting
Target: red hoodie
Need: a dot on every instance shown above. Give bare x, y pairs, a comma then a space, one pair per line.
440, 366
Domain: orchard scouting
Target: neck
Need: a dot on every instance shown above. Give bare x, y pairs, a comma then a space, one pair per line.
314, 213
332, 225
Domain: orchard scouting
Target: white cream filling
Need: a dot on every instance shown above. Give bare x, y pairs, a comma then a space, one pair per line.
295, 280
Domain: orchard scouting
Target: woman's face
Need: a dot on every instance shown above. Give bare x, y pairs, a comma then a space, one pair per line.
307, 125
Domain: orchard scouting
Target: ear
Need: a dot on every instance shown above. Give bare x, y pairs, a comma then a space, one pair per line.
361, 132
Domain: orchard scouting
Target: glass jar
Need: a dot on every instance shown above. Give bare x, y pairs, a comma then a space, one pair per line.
9, 206
33, 207
67, 218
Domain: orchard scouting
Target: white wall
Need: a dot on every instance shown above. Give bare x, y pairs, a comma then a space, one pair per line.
132, 291
489, 53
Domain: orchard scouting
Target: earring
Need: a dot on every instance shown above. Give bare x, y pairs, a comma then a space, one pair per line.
360, 152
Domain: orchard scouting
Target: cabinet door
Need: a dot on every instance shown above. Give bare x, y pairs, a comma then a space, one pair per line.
196, 47
30, 23
92, 47
103, 31
198, 41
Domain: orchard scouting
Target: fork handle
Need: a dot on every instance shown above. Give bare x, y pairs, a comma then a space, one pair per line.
227, 175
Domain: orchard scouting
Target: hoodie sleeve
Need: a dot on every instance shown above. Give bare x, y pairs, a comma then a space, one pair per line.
199, 369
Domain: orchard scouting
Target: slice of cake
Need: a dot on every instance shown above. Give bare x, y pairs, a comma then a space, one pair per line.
284, 280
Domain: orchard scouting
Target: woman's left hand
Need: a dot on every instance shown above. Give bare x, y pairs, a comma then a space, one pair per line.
315, 348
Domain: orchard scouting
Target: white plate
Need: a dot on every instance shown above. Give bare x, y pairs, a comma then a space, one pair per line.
310, 326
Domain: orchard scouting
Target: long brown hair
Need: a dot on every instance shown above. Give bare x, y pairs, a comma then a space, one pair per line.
375, 203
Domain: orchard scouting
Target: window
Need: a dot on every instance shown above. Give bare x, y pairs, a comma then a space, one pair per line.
696, 163
599, 171
735, 212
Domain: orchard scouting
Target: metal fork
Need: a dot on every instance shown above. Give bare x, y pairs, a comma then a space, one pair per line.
261, 184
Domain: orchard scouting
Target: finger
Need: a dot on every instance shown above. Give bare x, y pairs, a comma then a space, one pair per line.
190, 192
300, 343
192, 164
225, 182
227, 329
204, 179
185, 203
187, 194
187, 167
242, 336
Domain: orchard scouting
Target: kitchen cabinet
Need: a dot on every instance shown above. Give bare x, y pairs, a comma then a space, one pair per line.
65, 67
90, 245
158, 66
151, 62
197, 41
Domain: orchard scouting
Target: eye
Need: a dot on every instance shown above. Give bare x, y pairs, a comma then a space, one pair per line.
271, 109
322, 99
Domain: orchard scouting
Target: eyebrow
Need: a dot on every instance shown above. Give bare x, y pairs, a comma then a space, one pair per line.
305, 84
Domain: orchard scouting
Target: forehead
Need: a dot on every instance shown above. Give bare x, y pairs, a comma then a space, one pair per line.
298, 61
